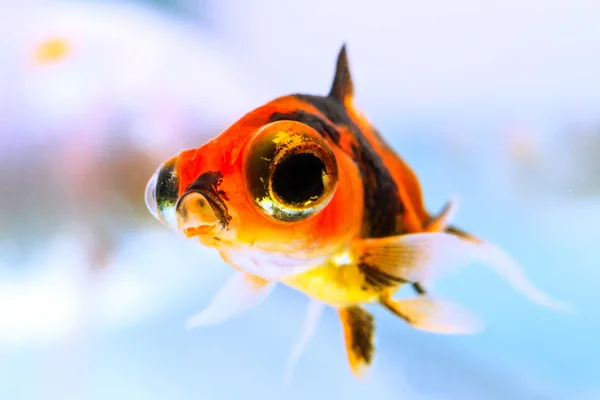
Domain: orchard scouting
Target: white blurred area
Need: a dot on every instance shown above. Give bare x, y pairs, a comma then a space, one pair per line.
165, 75
506, 58
511, 81
95, 95
494, 101
47, 305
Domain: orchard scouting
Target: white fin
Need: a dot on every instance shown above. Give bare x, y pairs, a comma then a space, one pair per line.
426, 256
241, 293
314, 311
445, 217
435, 315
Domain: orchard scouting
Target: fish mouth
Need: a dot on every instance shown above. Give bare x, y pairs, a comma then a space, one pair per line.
204, 230
217, 205
201, 213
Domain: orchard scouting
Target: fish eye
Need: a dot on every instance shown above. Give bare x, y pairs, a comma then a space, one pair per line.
150, 196
162, 194
290, 171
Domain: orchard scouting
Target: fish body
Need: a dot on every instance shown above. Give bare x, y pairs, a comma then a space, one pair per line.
305, 192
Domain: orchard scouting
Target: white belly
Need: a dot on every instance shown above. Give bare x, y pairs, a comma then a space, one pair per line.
270, 266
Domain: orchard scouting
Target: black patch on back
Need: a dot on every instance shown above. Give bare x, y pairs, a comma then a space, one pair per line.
329, 107
382, 203
208, 184
318, 124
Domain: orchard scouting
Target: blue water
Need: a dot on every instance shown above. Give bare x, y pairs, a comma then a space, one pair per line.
421, 72
526, 352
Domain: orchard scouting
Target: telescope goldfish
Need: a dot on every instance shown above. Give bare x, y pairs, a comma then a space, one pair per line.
304, 191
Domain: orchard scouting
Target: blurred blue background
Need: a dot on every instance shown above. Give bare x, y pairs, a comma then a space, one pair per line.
494, 101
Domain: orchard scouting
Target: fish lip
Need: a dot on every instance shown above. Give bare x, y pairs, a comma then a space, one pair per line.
205, 230
216, 204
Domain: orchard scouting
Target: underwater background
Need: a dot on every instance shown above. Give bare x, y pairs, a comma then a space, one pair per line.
496, 102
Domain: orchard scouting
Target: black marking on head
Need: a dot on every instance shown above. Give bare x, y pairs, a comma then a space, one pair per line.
318, 124
342, 86
362, 330
210, 180
382, 202
207, 184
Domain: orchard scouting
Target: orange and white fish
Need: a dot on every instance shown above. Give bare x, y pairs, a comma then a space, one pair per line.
305, 192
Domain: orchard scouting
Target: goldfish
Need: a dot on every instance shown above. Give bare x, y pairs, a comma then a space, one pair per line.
304, 191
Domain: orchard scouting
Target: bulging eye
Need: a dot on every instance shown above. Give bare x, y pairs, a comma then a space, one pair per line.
162, 194
290, 171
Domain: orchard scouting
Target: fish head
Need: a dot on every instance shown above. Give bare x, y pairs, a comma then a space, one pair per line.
281, 187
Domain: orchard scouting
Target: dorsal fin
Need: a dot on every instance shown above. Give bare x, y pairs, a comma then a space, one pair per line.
342, 87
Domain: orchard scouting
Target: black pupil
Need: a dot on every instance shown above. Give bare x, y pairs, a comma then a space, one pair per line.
299, 178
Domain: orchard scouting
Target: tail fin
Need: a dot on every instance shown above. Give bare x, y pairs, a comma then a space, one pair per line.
470, 248
510, 270
462, 234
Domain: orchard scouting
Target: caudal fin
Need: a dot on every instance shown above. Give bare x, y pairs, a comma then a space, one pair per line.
424, 257
462, 234
505, 266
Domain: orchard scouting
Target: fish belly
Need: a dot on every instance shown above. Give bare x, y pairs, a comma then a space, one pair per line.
334, 285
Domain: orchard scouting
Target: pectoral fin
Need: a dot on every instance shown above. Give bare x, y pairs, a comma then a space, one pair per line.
241, 293
434, 315
359, 328
422, 257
